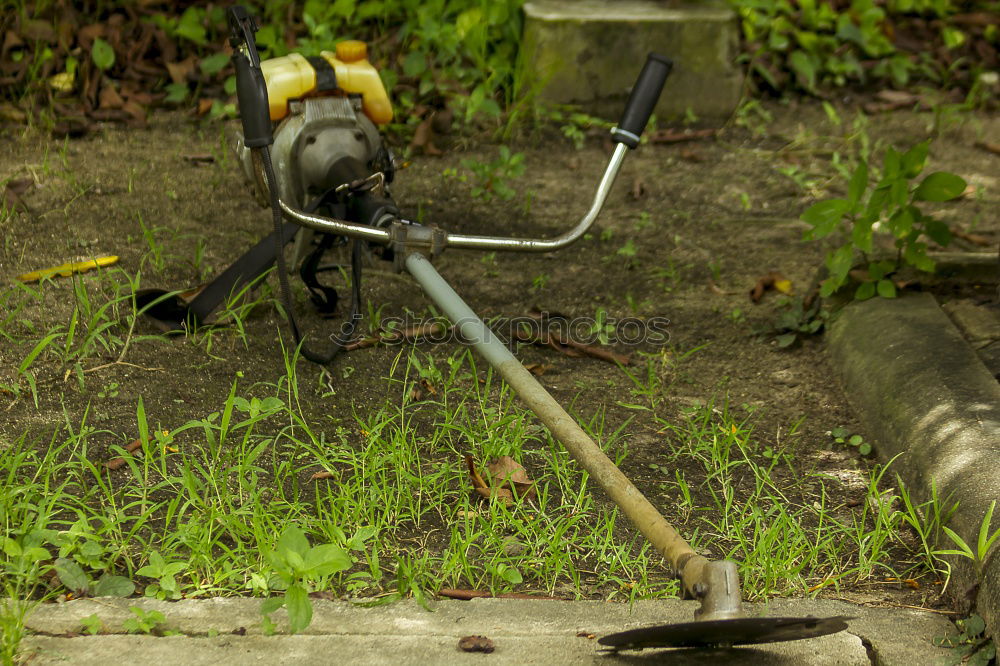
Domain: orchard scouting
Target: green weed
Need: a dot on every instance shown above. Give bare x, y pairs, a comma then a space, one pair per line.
893, 204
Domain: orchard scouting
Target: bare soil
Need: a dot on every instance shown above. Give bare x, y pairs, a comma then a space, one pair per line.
706, 219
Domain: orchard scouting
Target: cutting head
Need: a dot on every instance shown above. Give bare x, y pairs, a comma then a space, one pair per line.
725, 633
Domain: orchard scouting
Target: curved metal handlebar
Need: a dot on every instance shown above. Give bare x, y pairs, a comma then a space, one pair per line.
469, 242
549, 244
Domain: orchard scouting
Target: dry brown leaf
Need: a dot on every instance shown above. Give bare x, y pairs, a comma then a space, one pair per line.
538, 369
772, 280
638, 188
897, 97
204, 105
38, 30
508, 474
109, 98
989, 147
180, 71
318, 476
86, 35
476, 644
586, 634
671, 135
441, 121
423, 138
11, 113
975, 239
13, 191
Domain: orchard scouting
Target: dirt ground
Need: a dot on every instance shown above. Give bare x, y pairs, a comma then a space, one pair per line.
687, 232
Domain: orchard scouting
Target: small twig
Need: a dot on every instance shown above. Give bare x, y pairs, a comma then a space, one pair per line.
571, 347
131, 365
406, 335
119, 462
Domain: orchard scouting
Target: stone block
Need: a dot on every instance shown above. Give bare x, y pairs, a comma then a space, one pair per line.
589, 53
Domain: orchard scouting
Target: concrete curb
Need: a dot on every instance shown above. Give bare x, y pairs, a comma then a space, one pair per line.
924, 395
219, 632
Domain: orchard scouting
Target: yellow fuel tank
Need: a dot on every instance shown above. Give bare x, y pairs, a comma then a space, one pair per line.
293, 76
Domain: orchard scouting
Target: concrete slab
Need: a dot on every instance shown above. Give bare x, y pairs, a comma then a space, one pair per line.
925, 396
227, 631
589, 52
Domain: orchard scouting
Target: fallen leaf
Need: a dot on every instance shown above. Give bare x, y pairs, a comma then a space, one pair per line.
671, 135
537, 369
897, 96
11, 113
62, 82
586, 634
441, 121
989, 147
483, 489
507, 473
204, 105
638, 188
12, 192
476, 644
326, 595
38, 30
772, 280
180, 71
975, 239
109, 98
321, 475
423, 138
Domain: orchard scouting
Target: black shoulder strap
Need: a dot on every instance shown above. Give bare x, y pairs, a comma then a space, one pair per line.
171, 314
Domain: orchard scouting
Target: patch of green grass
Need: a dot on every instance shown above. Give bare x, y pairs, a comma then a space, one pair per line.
753, 507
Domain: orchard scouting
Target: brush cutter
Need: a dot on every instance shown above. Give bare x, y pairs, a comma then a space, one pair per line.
311, 147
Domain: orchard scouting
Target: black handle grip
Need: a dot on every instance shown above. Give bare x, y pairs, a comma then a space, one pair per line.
645, 94
251, 93
251, 88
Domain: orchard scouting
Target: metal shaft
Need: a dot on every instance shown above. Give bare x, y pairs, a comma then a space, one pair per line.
636, 507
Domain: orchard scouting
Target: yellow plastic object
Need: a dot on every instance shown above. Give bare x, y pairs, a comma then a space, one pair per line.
351, 50
68, 269
287, 77
292, 77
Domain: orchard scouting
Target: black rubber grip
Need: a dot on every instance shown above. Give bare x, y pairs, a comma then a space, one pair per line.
641, 102
251, 92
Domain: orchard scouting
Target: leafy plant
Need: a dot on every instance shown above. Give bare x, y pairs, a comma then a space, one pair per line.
797, 322
972, 646
143, 622
77, 581
984, 541
297, 566
492, 178
164, 572
844, 436
890, 206
813, 45
92, 624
